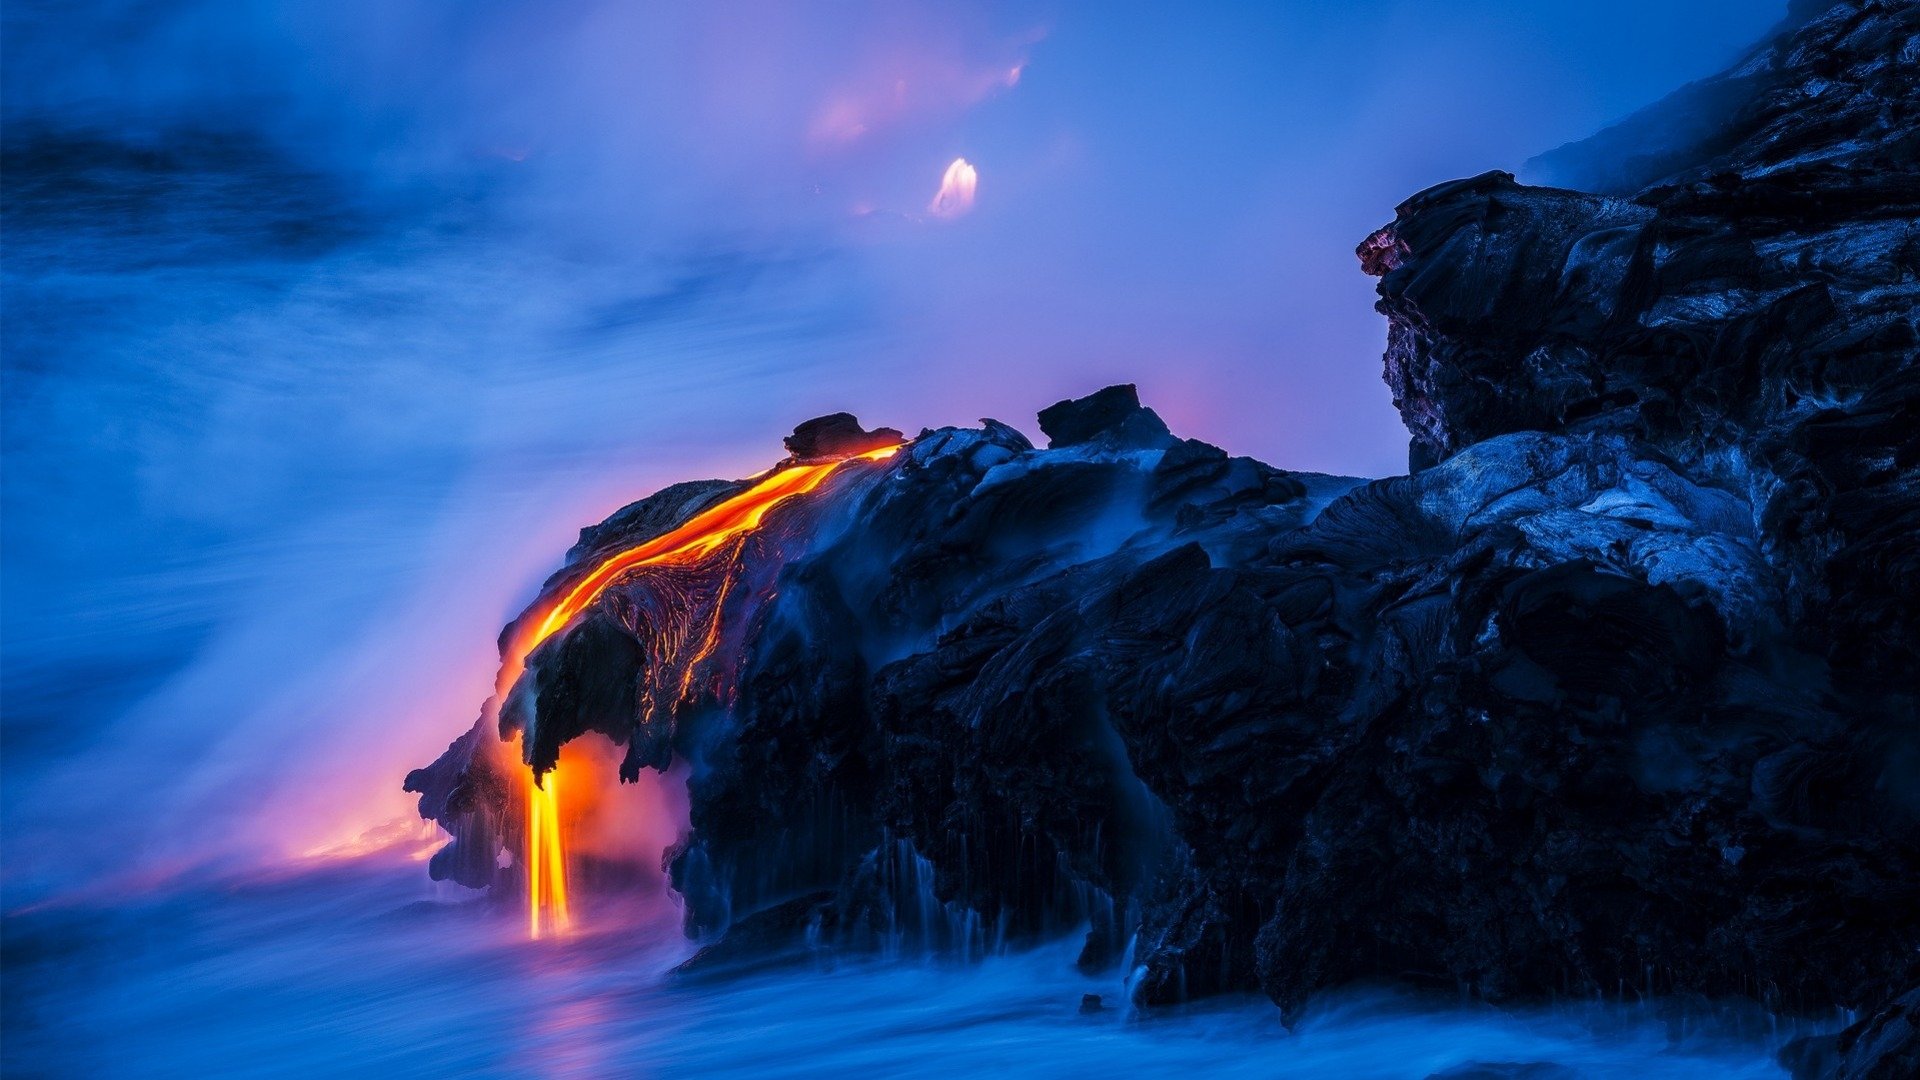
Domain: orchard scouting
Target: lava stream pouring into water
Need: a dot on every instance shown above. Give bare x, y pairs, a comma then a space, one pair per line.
548, 907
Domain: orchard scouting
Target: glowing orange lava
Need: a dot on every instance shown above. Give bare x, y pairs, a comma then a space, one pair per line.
547, 906
546, 870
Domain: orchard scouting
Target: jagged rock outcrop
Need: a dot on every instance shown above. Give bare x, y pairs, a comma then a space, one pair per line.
1114, 416
1613, 694
1885, 1045
837, 435
1752, 315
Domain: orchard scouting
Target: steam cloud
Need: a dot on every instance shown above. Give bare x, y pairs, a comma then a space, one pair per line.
328, 325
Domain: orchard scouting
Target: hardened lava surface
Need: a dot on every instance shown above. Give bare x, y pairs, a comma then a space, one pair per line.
1613, 694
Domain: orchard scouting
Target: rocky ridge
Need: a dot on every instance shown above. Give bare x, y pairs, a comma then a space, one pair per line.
1612, 694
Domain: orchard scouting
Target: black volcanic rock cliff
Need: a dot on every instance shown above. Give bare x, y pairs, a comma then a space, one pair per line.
1615, 693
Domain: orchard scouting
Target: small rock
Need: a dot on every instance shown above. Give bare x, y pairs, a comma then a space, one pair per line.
838, 435
1113, 415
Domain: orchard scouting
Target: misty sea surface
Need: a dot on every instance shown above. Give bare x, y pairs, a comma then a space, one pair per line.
359, 969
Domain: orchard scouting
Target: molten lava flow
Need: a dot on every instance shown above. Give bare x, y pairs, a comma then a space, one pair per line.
694, 540
546, 864
957, 186
688, 543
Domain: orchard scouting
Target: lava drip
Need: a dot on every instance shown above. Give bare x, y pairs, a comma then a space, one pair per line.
661, 603
547, 904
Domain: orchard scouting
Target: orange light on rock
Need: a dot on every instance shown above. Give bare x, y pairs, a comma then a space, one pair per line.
548, 908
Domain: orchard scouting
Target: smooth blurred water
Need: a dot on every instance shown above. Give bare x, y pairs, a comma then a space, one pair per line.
361, 969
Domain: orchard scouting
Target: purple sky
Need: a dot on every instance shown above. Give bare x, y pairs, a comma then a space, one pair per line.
328, 324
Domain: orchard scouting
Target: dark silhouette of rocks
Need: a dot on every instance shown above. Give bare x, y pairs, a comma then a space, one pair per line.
1113, 416
837, 435
1613, 694
1884, 1045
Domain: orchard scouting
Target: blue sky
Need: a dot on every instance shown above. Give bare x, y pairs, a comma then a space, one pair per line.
328, 324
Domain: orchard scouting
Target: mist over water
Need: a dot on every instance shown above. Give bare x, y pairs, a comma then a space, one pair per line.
367, 970
327, 326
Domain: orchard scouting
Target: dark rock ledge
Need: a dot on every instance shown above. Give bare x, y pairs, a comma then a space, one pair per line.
1614, 694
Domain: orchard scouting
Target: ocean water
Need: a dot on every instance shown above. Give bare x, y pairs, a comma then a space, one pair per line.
362, 968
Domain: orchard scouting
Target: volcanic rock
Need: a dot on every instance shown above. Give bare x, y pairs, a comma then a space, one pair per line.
1113, 416
838, 435
1882, 1046
1613, 695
